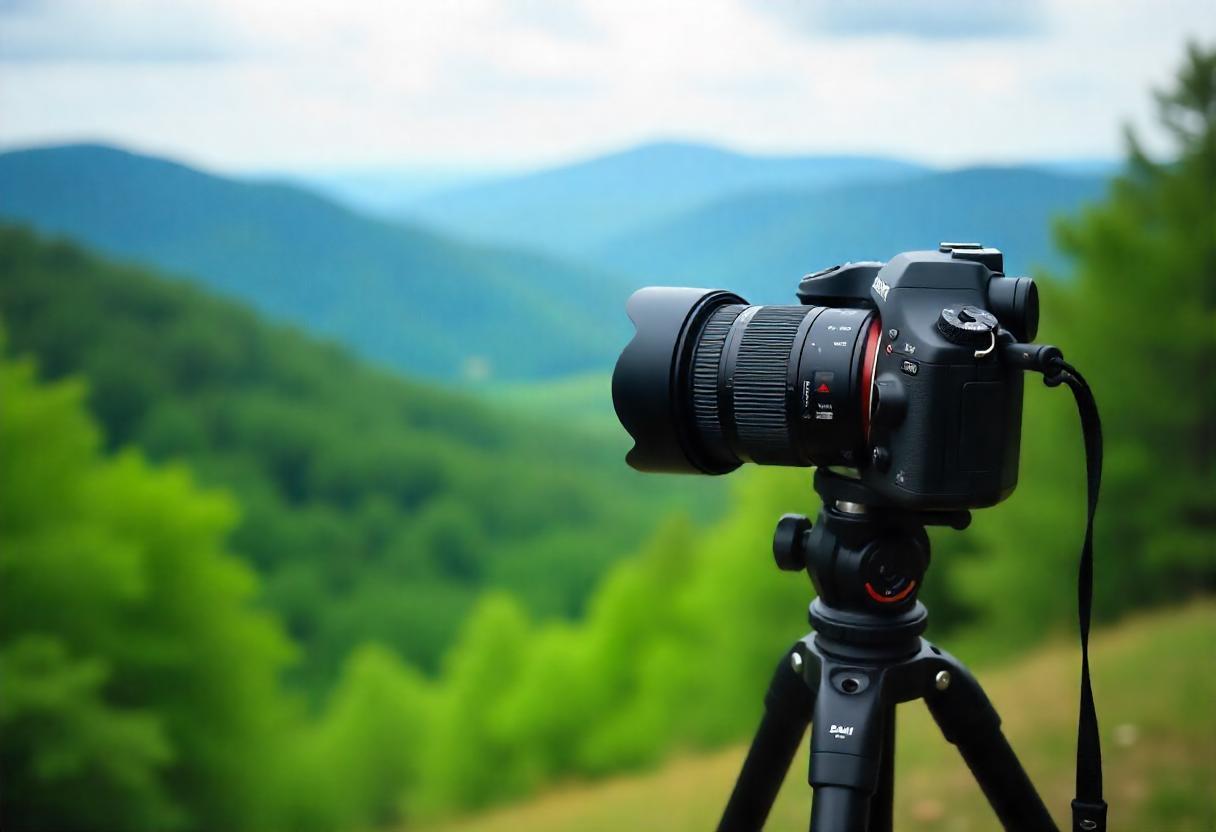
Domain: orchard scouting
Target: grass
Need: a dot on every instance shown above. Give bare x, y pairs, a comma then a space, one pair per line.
1155, 683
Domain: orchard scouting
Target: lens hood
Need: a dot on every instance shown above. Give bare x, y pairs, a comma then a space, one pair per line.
651, 385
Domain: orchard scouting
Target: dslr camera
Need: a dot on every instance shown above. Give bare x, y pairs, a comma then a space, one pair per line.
905, 376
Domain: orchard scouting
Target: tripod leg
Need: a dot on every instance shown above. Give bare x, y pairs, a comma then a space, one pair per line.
850, 728
787, 710
882, 804
968, 720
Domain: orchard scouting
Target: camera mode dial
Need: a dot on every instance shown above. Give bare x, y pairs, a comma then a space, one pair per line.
967, 326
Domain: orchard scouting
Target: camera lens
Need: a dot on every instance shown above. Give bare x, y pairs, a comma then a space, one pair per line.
710, 382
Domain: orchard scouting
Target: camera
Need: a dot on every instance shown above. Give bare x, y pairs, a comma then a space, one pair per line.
904, 375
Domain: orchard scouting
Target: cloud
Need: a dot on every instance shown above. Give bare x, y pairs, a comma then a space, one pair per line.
127, 31
239, 84
561, 18
931, 20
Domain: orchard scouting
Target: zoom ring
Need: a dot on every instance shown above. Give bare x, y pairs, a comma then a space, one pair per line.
760, 379
705, 373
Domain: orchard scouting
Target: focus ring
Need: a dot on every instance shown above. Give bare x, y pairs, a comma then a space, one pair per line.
705, 373
760, 380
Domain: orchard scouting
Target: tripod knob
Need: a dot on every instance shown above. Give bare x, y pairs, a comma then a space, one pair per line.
787, 542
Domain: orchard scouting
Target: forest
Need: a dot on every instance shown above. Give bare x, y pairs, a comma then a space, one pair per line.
374, 507
264, 585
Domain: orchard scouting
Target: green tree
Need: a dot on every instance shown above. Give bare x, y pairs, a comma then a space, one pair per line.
1138, 317
358, 767
1146, 265
471, 760
138, 687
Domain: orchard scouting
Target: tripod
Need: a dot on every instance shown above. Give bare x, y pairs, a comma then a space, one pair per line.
864, 657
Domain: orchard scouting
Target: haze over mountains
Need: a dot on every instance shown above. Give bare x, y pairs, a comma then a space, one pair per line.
526, 276
760, 243
385, 192
692, 213
572, 209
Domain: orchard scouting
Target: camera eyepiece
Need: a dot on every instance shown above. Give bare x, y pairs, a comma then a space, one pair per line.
1015, 301
709, 382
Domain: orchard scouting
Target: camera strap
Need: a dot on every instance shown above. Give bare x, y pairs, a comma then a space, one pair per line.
1088, 808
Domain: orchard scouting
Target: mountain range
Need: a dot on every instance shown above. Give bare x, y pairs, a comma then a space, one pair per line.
760, 243
400, 295
572, 209
470, 290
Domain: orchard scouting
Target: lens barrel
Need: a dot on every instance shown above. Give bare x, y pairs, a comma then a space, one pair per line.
710, 382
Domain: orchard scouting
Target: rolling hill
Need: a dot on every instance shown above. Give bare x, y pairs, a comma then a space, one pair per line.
401, 296
761, 243
572, 209
374, 507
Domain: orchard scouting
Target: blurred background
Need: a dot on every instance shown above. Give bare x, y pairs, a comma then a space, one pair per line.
313, 509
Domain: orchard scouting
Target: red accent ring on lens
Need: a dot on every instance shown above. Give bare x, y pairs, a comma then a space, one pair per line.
891, 599
870, 354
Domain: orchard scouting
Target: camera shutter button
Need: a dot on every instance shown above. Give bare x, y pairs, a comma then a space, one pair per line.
967, 326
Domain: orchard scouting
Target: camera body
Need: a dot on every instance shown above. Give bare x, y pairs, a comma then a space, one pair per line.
944, 428
904, 375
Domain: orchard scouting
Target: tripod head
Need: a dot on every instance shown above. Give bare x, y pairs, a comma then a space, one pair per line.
867, 560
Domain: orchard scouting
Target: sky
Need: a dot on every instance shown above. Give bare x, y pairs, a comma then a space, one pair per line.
490, 84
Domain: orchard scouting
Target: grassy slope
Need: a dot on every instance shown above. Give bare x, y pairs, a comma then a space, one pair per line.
1155, 678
